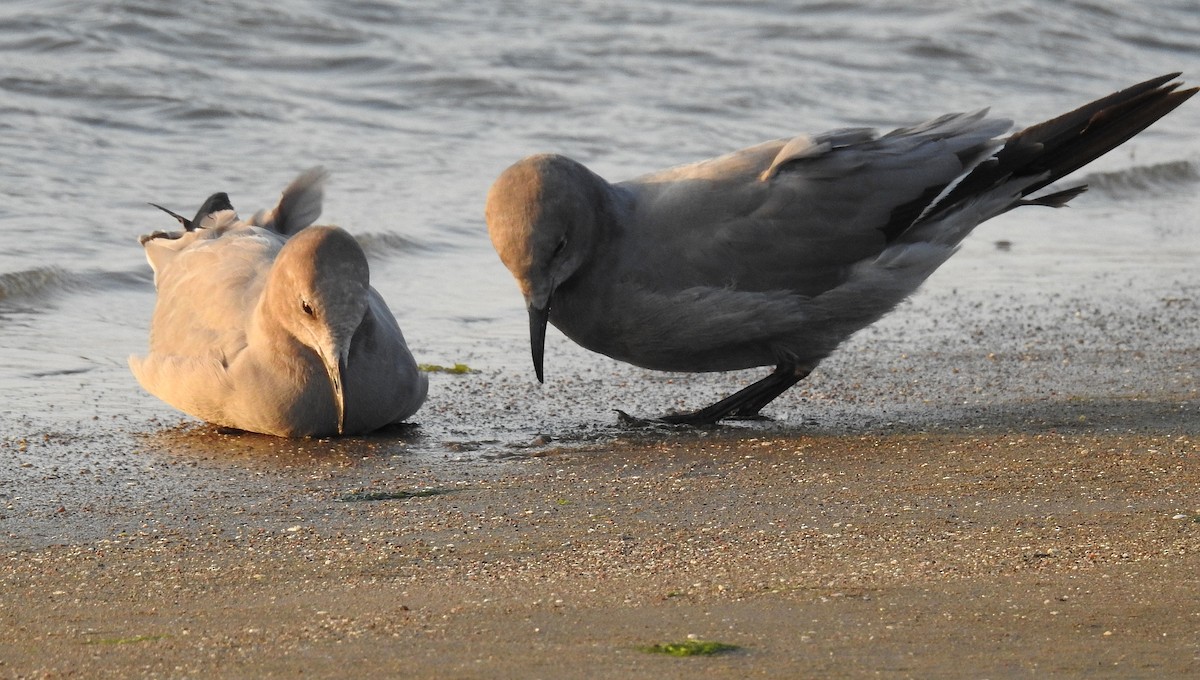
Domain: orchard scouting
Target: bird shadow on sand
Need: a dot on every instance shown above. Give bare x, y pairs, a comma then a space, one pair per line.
202, 443
211, 446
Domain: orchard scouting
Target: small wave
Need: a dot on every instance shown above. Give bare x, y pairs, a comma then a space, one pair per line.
1144, 179
44, 282
33, 283
466, 89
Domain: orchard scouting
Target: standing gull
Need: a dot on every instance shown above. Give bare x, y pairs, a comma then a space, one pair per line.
270, 325
775, 254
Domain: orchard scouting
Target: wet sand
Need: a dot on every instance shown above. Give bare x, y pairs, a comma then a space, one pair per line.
1008, 490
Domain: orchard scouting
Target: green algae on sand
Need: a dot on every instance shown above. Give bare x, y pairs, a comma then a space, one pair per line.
456, 369
690, 648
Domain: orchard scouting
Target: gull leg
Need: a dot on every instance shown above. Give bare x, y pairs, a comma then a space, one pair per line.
747, 402
792, 375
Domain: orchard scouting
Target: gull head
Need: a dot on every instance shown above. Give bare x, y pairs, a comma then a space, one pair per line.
318, 292
541, 215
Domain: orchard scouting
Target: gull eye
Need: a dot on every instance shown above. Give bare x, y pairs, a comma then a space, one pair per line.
307, 308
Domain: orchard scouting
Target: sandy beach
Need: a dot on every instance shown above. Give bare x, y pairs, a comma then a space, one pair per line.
909, 555
1015, 494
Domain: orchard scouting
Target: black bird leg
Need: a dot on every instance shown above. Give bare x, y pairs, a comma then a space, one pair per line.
747, 402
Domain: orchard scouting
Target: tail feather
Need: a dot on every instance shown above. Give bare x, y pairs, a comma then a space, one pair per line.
1057, 199
1055, 148
218, 202
299, 205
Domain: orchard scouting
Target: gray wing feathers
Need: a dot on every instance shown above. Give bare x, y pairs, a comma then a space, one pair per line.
201, 316
802, 147
173, 379
408, 384
203, 297
824, 202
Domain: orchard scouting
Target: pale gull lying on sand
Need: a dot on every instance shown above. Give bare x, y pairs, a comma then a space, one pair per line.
271, 325
775, 254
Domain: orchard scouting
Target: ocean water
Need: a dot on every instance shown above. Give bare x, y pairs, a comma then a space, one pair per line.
415, 108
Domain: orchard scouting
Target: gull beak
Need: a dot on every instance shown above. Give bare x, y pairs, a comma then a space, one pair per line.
339, 394
336, 368
537, 336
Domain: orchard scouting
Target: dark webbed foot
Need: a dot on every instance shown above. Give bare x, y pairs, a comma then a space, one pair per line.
670, 420
699, 418
634, 421
747, 402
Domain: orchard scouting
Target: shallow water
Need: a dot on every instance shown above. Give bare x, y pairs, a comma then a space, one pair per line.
107, 105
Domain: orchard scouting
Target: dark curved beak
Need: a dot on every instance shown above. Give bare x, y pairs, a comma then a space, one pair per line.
537, 337
340, 394
335, 367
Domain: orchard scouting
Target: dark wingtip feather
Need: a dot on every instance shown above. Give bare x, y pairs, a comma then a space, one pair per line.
1057, 147
1057, 199
187, 224
215, 203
